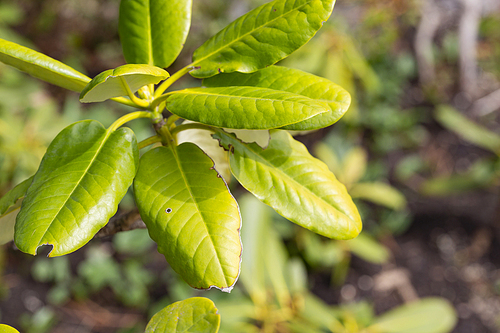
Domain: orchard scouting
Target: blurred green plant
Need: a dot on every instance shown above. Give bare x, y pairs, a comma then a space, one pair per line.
350, 164
276, 297
42, 321
482, 173
127, 278
333, 54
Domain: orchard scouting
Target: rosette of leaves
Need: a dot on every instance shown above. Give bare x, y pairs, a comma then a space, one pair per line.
179, 192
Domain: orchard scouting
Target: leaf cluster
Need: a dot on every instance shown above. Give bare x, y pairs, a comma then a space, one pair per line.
245, 105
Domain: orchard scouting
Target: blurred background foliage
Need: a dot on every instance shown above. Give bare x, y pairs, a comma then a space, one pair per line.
417, 150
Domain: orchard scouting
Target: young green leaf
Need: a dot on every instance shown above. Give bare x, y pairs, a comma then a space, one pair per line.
191, 214
109, 84
82, 178
153, 32
293, 81
11, 197
261, 37
196, 314
298, 186
41, 66
243, 107
430, 315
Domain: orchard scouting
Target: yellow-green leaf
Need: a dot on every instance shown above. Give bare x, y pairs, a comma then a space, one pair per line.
190, 214
114, 82
298, 186
41, 66
193, 315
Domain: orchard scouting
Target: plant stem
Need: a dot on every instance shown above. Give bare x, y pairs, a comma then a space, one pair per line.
168, 82
184, 127
128, 117
123, 100
158, 100
167, 139
171, 121
149, 141
137, 101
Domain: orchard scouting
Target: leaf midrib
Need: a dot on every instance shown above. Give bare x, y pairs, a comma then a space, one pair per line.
179, 165
304, 100
150, 34
248, 33
108, 133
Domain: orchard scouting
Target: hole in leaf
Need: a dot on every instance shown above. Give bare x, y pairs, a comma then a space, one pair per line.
168, 210
44, 249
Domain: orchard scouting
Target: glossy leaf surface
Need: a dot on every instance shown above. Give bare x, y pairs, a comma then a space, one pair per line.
243, 107
153, 32
108, 84
11, 197
7, 329
82, 178
190, 213
298, 186
203, 139
430, 315
193, 315
297, 82
261, 37
41, 66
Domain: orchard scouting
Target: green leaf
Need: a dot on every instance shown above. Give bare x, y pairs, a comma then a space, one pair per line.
153, 32
7, 329
430, 315
243, 107
261, 37
191, 214
41, 66
11, 197
368, 249
297, 82
203, 139
84, 174
467, 129
109, 84
379, 193
298, 186
193, 315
